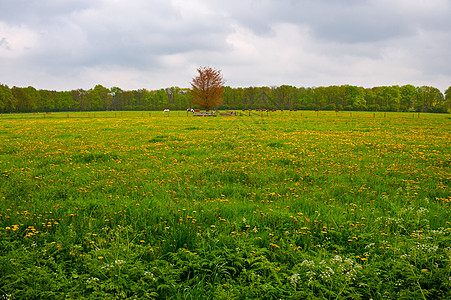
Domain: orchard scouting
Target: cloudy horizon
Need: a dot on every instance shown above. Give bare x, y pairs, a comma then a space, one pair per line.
65, 45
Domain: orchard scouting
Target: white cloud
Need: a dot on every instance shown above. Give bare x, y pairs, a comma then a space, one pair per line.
16, 41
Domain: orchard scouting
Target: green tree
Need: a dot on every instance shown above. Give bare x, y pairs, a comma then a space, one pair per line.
387, 97
6, 98
432, 99
393, 96
305, 98
160, 99
139, 99
99, 98
66, 102
22, 100
25, 99
448, 99
80, 97
251, 97
238, 98
185, 98
264, 97
171, 94
354, 98
47, 102
371, 100
322, 98
128, 100
407, 97
116, 98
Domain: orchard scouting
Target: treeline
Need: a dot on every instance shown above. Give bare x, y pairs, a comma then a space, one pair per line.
344, 97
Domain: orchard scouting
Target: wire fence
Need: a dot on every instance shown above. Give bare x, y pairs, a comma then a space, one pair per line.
230, 113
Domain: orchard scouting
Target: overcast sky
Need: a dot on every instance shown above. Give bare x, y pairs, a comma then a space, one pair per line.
153, 44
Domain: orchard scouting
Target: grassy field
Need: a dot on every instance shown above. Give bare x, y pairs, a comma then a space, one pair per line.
286, 205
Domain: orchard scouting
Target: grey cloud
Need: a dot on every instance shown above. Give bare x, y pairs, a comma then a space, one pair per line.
132, 34
37, 12
260, 41
341, 21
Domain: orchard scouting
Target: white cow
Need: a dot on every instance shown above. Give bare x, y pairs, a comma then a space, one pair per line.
166, 111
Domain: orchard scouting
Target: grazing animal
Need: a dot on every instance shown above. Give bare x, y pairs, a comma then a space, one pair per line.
189, 110
166, 111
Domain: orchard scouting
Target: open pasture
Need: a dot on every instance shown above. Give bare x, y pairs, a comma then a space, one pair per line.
134, 205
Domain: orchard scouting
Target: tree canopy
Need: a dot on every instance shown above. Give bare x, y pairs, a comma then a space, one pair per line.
344, 97
207, 88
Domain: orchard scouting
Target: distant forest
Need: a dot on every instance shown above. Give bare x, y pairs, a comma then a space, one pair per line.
345, 97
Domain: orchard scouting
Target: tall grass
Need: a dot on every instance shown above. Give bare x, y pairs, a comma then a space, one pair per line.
284, 205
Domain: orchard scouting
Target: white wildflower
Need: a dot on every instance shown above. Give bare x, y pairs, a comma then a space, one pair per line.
422, 210
150, 274
92, 280
369, 245
337, 259
295, 278
308, 263
425, 248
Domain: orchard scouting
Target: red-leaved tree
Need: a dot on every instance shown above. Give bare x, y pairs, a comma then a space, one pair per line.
207, 88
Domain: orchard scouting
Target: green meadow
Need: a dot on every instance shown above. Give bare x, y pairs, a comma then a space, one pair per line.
280, 205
